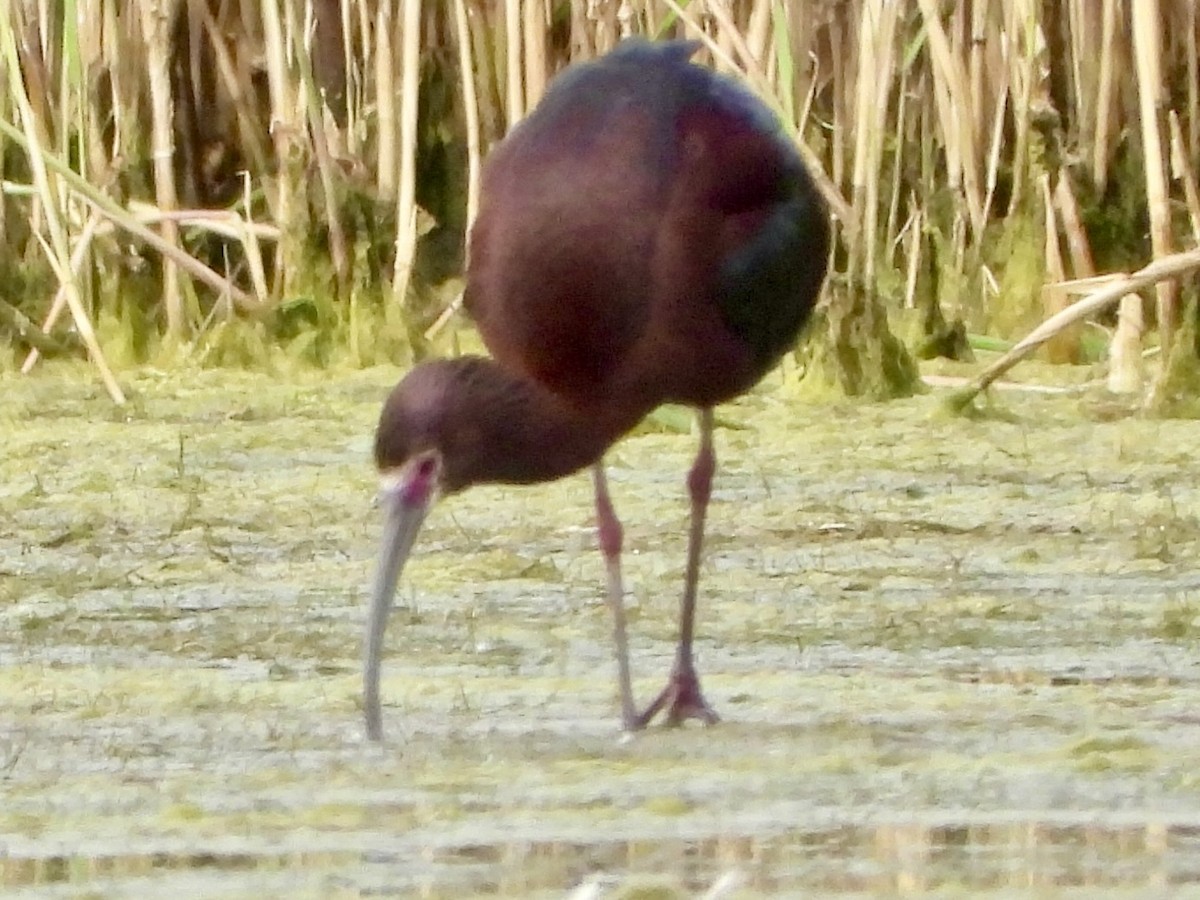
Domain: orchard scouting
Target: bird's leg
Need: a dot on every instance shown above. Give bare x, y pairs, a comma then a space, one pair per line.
608, 527
682, 697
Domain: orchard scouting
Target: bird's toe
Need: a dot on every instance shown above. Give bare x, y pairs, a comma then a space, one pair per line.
682, 699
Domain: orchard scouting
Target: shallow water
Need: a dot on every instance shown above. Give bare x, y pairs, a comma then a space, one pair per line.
952, 656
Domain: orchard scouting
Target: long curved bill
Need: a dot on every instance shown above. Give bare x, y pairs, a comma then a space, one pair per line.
403, 515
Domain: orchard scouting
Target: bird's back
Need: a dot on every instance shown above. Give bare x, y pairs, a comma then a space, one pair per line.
647, 232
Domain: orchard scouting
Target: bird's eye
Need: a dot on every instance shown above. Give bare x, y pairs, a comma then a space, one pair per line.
427, 467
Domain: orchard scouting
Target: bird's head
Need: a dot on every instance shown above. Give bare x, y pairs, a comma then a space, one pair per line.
410, 453
429, 443
431, 429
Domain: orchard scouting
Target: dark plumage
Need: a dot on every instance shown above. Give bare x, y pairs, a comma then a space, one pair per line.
647, 235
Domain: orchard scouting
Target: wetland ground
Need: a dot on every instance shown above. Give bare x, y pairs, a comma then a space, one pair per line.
953, 656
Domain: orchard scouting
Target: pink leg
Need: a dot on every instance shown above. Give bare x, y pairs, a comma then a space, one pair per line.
682, 697
609, 528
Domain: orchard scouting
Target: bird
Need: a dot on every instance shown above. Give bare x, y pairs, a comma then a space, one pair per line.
648, 234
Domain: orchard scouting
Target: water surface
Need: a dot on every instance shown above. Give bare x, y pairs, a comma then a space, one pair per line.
952, 656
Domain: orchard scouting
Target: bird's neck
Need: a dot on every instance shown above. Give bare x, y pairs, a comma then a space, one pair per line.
524, 433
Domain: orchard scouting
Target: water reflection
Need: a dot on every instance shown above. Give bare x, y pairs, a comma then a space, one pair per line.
892, 858
909, 858
82, 870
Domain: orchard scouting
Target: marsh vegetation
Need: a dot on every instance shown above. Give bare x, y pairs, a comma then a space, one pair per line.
232, 180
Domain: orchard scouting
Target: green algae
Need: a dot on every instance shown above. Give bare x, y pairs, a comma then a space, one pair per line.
971, 637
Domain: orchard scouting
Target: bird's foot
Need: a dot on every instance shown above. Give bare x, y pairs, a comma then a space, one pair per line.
681, 698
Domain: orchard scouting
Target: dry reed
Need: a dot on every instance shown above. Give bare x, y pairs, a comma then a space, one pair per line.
930, 127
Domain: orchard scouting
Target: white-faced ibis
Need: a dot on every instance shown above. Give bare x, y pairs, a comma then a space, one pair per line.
647, 235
